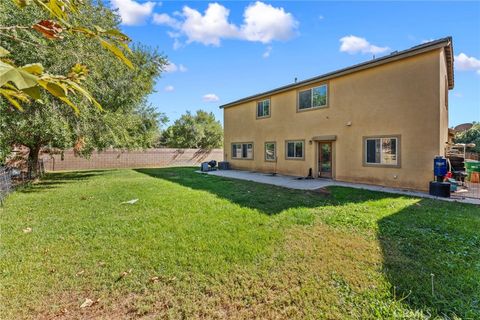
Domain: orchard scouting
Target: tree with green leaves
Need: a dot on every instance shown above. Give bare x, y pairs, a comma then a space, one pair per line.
124, 120
54, 19
199, 130
471, 135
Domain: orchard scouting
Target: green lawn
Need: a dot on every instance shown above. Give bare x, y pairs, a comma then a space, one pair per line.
198, 246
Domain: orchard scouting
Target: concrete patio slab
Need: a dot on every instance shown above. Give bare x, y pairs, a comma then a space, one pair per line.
312, 184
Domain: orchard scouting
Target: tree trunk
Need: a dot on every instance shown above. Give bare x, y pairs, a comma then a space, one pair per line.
33, 156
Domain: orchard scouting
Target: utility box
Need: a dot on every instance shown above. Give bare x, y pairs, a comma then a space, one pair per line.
224, 165
204, 167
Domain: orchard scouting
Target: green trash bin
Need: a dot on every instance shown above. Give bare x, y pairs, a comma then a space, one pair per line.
472, 166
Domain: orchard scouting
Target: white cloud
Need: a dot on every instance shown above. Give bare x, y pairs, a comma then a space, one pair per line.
163, 18
169, 89
177, 44
132, 12
211, 97
267, 52
172, 67
320, 17
262, 22
458, 94
353, 44
207, 29
465, 63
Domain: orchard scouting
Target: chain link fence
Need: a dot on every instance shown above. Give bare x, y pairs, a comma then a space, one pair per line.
5, 183
11, 177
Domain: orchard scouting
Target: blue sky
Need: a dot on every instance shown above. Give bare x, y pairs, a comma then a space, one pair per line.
222, 51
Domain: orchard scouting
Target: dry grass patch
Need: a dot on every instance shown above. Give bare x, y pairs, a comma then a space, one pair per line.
317, 270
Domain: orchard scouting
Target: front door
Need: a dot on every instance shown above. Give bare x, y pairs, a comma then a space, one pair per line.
325, 159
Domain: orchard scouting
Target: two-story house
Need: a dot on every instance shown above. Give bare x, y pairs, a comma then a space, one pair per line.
380, 122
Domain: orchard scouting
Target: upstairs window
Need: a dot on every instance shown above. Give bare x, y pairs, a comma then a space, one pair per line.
381, 151
295, 149
263, 108
313, 98
242, 150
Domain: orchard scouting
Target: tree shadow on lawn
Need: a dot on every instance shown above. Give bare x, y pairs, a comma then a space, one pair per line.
429, 237
54, 179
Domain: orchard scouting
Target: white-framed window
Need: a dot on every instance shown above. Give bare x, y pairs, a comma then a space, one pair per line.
263, 108
242, 150
382, 151
295, 149
313, 98
270, 151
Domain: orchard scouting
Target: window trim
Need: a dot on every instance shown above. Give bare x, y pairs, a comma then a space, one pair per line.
269, 108
382, 165
242, 143
274, 151
327, 84
286, 149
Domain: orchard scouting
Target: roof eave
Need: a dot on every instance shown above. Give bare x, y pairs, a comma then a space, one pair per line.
441, 43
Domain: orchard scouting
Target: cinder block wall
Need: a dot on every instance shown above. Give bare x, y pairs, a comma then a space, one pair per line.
111, 159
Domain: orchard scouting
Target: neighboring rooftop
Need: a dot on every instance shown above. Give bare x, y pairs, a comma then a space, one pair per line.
395, 55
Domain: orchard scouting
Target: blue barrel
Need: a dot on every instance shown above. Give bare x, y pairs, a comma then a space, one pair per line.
440, 167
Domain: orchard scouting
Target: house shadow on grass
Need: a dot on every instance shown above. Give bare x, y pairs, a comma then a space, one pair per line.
434, 242
267, 199
429, 237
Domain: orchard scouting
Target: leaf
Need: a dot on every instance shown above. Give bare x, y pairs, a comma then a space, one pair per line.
70, 103
13, 95
87, 303
56, 11
3, 52
117, 52
20, 78
99, 29
33, 68
10, 99
117, 34
55, 89
125, 47
49, 29
75, 86
33, 92
22, 3
83, 30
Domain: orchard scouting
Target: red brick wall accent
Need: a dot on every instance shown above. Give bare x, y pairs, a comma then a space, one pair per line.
112, 159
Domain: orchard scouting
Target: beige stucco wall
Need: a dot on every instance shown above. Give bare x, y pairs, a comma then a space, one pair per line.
399, 98
443, 108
